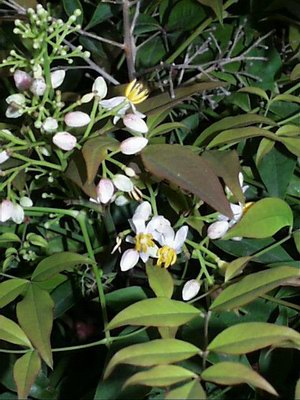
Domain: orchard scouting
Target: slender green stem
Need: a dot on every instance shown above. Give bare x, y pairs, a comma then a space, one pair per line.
281, 302
203, 268
36, 162
98, 273
92, 121
203, 249
271, 247
152, 199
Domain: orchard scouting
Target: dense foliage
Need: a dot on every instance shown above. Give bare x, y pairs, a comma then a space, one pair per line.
150, 199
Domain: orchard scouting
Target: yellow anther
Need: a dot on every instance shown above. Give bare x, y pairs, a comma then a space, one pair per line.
167, 256
135, 92
247, 206
143, 241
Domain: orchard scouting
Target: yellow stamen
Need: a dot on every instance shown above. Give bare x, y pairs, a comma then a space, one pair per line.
166, 256
135, 92
143, 241
247, 206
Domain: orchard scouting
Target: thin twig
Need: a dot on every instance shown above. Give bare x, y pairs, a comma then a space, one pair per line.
101, 39
129, 43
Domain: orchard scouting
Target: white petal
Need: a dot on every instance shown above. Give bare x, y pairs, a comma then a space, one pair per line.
237, 210
17, 98
133, 145
217, 229
22, 80
129, 239
138, 225
121, 200
241, 179
100, 87
180, 238
64, 140
190, 289
144, 257
134, 123
113, 102
143, 211
57, 78
123, 183
6, 210
26, 202
105, 190
38, 87
77, 119
3, 156
168, 236
13, 112
156, 226
50, 125
17, 214
129, 259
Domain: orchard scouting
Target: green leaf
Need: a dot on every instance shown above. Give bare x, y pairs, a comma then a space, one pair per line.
164, 101
233, 373
235, 267
159, 351
160, 281
58, 262
296, 236
94, 151
165, 128
250, 336
253, 286
155, 312
292, 144
184, 168
216, 6
161, 376
11, 289
12, 333
226, 165
70, 6
263, 219
189, 391
255, 90
238, 121
286, 97
25, 372
295, 74
265, 146
102, 13
35, 315
235, 135
9, 237
185, 15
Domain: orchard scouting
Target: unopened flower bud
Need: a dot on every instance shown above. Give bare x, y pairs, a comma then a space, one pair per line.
57, 78
50, 125
22, 80
16, 99
77, 119
26, 202
123, 183
38, 87
4, 156
217, 229
135, 123
37, 71
17, 214
130, 172
133, 145
87, 98
64, 140
105, 190
190, 289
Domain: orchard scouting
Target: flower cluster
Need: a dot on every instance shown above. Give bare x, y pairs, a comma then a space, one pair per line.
154, 237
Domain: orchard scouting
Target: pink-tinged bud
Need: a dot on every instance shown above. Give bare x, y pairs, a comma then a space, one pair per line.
17, 214
135, 123
64, 140
3, 156
217, 229
38, 87
77, 119
123, 183
50, 125
22, 80
57, 78
6, 210
105, 190
133, 145
190, 289
100, 88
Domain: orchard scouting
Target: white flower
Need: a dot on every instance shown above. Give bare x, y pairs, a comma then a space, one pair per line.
105, 191
57, 77
143, 240
190, 289
9, 210
38, 87
133, 145
241, 181
171, 244
50, 125
64, 140
16, 104
135, 123
123, 183
77, 119
22, 80
4, 156
99, 87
